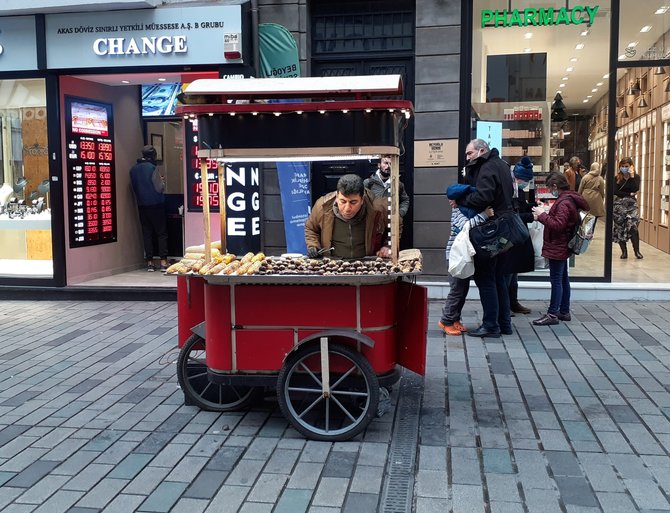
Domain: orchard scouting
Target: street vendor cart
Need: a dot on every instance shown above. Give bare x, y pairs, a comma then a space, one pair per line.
328, 337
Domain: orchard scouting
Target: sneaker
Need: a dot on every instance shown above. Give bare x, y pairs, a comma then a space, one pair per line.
150, 267
164, 267
450, 329
462, 328
546, 320
564, 316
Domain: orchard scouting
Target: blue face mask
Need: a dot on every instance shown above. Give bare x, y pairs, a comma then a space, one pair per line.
555, 194
523, 185
625, 170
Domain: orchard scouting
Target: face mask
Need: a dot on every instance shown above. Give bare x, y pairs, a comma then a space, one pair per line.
624, 170
555, 194
523, 185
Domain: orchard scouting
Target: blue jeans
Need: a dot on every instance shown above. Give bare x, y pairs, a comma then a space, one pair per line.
560, 287
493, 293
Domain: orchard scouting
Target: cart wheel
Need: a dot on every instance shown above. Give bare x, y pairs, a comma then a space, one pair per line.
340, 415
199, 390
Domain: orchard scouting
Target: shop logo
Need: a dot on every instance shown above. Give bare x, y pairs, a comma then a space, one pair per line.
539, 17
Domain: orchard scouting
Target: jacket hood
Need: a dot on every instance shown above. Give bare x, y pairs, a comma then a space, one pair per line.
577, 198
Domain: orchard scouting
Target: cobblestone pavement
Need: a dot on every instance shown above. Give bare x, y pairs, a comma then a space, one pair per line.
571, 418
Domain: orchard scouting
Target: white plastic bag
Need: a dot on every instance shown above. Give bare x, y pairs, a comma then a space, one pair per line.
536, 230
461, 264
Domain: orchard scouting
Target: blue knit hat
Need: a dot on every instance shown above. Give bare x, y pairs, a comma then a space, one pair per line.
524, 169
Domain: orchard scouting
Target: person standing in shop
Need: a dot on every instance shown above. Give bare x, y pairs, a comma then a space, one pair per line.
149, 187
592, 187
379, 184
626, 216
572, 173
491, 177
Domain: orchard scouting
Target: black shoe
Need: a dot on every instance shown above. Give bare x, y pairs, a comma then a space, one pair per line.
507, 332
638, 255
564, 316
624, 255
546, 320
483, 332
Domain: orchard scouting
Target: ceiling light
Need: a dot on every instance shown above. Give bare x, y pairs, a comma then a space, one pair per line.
633, 44
564, 78
622, 57
646, 28
594, 90
526, 50
161, 79
606, 75
589, 96
625, 113
574, 59
585, 101
298, 112
659, 71
584, 32
580, 46
563, 85
528, 35
663, 9
125, 81
569, 69
599, 84
667, 87
642, 103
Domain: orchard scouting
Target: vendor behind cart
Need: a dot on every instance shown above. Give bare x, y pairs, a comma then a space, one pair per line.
348, 223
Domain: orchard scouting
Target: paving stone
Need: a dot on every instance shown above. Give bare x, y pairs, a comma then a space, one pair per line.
267, 488
467, 499
305, 475
497, 461
164, 497
32, 474
360, 503
293, 501
339, 464
330, 491
431, 505
576, 491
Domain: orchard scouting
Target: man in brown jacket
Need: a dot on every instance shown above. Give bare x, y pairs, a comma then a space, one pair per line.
348, 223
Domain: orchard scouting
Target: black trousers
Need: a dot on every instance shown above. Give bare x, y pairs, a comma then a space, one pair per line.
152, 219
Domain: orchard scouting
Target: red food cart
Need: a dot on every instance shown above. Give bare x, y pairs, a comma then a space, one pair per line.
329, 345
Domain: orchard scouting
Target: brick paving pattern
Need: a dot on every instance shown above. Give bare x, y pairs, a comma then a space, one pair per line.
571, 418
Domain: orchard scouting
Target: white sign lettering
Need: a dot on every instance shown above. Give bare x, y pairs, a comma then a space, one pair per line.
145, 45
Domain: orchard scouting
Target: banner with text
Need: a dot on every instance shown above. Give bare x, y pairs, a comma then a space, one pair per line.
279, 59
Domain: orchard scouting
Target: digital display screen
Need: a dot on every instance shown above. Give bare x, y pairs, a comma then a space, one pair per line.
159, 99
89, 134
193, 181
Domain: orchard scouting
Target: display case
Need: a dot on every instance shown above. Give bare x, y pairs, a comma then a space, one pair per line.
665, 177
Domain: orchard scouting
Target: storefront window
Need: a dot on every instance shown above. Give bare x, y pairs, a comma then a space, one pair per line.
643, 34
540, 90
25, 217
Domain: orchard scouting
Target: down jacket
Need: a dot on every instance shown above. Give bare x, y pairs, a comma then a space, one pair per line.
559, 224
319, 224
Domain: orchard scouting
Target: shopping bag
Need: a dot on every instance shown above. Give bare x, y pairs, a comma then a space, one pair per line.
536, 230
499, 234
461, 264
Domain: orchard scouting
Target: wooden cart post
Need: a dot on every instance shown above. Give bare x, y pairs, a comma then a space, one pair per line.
222, 206
204, 180
394, 211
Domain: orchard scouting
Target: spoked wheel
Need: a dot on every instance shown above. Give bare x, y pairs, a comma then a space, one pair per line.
199, 390
345, 409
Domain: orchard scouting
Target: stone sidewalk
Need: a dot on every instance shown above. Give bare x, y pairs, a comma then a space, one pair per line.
572, 419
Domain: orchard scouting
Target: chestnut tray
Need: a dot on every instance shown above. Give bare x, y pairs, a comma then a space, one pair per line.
307, 279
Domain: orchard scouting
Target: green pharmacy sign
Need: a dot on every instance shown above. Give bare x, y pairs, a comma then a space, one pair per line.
539, 17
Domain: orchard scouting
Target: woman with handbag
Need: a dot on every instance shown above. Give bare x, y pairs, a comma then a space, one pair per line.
559, 224
626, 216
